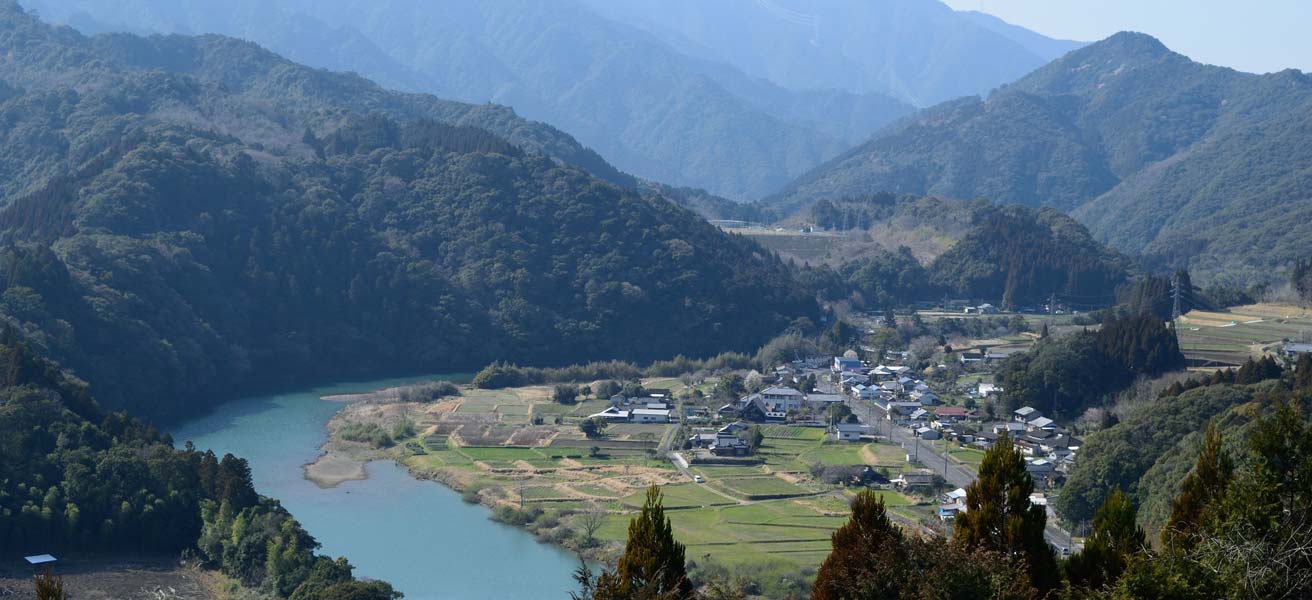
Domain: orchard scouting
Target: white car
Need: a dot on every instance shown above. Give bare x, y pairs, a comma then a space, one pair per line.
697, 479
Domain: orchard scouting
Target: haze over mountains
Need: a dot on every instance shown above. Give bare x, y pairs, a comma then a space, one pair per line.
679, 106
1154, 152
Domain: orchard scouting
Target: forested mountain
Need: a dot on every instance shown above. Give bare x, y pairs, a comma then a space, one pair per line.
923, 248
650, 109
176, 235
918, 50
1155, 153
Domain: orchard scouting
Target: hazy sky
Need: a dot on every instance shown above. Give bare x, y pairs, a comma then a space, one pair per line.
1249, 35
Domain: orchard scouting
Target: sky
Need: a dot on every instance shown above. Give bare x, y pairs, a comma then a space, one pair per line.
1249, 35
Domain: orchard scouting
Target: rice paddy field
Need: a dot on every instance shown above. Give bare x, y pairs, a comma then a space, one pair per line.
1211, 339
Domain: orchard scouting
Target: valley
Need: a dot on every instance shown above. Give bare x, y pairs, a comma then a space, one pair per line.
634, 300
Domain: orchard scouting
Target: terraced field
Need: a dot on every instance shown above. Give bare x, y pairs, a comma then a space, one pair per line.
1212, 339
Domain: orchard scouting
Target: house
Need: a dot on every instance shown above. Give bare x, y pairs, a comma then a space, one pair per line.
702, 440
926, 398
1025, 414
1040, 468
900, 409
758, 411
730, 446
844, 364
971, 356
949, 512
650, 415
656, 405
861, 392
1041, 424
957, 495
851, 379
988, 389
780, 399
1293, 349
917, 480
953, 413
926, 433
846, 432
733, 428
823, 400
611, 414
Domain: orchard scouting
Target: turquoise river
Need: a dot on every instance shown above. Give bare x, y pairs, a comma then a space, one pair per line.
418, 535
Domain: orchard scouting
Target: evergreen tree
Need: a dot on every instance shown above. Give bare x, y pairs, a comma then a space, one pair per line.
652, 565
1115, 538
1303, 373
1000, 516
1203, 488
869, 558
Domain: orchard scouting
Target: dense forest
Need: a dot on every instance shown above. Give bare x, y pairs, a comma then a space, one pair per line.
1156, 154
176, 264
1065, 375
76, 479
1148, 450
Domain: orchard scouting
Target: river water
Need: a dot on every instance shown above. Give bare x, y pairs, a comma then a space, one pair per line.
418, 535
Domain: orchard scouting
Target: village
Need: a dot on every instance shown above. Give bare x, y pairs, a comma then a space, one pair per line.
743, 457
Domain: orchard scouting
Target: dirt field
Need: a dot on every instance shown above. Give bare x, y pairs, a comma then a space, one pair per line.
145, 578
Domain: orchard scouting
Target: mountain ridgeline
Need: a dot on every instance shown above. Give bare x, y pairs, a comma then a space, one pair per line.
188, 217
1156, 154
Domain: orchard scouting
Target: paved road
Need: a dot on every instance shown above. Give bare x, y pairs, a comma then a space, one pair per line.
955, 473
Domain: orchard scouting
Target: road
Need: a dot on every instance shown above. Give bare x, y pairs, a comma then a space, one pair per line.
955, 473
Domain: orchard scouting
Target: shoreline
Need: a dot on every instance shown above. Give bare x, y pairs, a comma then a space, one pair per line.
341, 461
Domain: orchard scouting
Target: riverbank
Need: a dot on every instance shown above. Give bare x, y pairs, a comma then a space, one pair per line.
416, 534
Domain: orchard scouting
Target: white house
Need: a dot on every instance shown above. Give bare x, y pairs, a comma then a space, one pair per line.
846, 432
842, 364
650, 415
611, 414
783, 399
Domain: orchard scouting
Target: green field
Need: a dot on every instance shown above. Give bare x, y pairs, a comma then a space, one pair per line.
766, 485
1232, 336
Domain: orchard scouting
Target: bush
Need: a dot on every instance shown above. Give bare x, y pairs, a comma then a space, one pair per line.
430, 392
365, 433
405, 428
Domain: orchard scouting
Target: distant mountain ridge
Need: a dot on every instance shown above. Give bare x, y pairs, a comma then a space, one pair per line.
674, 111
920, 51
1153, 152
649, 110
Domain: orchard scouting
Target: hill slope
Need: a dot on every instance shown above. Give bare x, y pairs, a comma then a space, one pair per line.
176, 235
1155, 153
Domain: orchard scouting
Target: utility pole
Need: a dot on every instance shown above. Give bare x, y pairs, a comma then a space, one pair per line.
1175, 299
